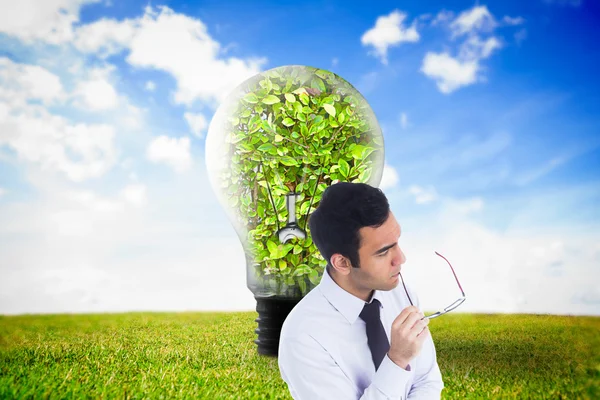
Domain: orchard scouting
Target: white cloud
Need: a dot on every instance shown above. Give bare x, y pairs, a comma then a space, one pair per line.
79, 251
171, 151
448, 72
197, 123
528, 176
477, 19
453, 72
81, 151
105, 37
500, 272
466, 206
175, 43
105, 249
475, 49
423, 195
442, 17
589, 296
368, 82
98, 93
135, 194
132, 117
22, 82
49, 21
2, 192
513, 21
403, 120
92, 202
387, 32
520, 36
389, 178
181, 46
150, 86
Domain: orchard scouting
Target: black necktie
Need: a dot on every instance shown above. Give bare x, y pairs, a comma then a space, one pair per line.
376, 337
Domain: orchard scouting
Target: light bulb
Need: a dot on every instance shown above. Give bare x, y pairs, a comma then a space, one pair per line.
273, 146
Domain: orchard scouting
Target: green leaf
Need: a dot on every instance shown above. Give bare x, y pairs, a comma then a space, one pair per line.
267, 126
302, 285
322, 74
317, 83
304, 99
289, 161
350, 99
344, 167
313, 276
290, 97
282, 265
298, 107
367, 152
300, 91
271, 99
288, 121
365, 175
358, 151
272, 246
287, 248
251, 98
278, 138
330, 109
267, 147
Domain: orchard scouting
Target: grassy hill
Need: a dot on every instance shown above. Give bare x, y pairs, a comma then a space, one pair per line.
212, 356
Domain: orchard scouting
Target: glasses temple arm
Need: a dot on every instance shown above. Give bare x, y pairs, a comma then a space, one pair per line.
411, 303
454, 273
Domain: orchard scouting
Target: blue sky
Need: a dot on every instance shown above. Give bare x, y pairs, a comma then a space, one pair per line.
489, 112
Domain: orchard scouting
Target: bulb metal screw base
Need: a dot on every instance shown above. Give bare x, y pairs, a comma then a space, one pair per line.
272, 312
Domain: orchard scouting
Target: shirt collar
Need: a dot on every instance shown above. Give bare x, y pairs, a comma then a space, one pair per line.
347, 304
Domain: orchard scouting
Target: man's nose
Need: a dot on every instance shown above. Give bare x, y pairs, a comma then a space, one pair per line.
399, 258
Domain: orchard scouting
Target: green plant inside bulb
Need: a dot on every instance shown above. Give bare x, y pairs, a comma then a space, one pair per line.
274, 145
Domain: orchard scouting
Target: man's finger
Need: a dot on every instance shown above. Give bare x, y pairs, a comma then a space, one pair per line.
404, 314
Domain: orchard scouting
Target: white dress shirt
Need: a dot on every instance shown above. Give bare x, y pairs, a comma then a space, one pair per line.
324, 354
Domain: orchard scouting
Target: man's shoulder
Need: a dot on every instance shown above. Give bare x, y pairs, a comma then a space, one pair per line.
307, 316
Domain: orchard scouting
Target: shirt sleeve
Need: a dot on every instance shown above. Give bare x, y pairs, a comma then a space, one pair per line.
311, 373
428, 383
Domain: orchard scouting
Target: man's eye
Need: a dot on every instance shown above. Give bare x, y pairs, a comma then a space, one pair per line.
383, 254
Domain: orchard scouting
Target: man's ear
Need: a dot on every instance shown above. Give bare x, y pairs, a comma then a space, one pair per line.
340, 264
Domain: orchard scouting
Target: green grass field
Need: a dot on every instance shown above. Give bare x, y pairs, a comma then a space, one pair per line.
212, 356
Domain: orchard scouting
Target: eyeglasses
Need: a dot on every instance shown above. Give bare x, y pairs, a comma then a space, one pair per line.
451, 306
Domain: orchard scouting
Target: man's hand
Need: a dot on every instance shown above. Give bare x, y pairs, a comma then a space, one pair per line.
408, 333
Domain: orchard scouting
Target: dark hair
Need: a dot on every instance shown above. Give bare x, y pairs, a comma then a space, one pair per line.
345, 208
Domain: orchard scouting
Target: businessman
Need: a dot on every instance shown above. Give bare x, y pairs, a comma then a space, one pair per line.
355, 335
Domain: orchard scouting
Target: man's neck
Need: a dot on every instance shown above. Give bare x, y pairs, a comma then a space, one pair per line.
345, 283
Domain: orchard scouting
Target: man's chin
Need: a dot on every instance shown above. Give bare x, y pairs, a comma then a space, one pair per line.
389, 285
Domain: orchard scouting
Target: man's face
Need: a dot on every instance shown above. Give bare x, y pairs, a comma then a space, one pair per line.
380, 257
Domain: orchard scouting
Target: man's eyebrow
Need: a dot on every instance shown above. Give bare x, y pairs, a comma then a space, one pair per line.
384, 249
